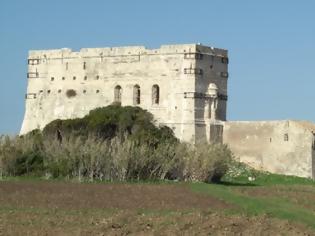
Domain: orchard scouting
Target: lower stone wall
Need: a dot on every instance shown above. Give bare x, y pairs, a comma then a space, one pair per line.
282, 147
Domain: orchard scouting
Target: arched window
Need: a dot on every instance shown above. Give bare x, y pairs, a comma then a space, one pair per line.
155, 94
136, 94
117, 94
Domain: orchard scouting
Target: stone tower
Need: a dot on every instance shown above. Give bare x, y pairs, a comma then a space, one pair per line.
183, 86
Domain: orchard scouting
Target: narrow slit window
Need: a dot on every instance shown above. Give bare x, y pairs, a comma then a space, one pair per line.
117, 94
155, 94
286, 137
136, 94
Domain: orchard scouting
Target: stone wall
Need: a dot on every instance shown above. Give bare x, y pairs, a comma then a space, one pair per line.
283, 147
181, 72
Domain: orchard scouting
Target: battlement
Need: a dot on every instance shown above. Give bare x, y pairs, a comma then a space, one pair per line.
126, 51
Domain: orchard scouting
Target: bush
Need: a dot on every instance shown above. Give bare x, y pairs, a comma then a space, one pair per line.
20, 155
114, 160
112, 143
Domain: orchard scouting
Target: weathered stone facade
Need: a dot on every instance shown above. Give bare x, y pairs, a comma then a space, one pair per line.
183, 86
283, 147
178, 84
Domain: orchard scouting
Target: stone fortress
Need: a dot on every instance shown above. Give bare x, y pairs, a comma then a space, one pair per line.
183, 86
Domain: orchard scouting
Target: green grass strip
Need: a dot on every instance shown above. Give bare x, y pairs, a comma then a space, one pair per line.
275, 207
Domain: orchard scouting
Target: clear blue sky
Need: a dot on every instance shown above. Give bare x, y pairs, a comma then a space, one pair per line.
271, 45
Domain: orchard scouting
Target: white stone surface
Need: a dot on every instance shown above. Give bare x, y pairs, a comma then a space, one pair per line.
283, 147
182, 72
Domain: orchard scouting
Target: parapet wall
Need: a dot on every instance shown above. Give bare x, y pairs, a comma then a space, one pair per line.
282, 147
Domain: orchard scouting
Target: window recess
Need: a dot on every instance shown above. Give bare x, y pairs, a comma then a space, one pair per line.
224, 74
30, 96
193, 55
194, 71
225, 60
33, 61
32, 75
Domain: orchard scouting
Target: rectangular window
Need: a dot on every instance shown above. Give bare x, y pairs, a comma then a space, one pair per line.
192, 55
30, 96
225, 60
224, 74
32, 75
33, 61
286, 137
196, 71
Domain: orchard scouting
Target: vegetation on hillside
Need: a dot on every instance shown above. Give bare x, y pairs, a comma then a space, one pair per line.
113, 143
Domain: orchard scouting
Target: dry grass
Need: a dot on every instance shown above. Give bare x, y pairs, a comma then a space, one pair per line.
111, 160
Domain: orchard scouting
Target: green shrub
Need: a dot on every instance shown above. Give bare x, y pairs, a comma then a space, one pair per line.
21, 155
111, 143
113, 121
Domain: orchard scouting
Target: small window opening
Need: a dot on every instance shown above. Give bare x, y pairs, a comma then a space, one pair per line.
117, 94
63, 78
97, 77
155, 94
84, 65
224, 74
67, 65
74, 78
85, 77
84, 91
225, 60
52, 78
59, 91
48, 91
286, 137
97, 91
136, 95
71, 93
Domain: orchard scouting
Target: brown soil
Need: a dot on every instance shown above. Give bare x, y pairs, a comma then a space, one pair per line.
301, 195
104, 196
45, 208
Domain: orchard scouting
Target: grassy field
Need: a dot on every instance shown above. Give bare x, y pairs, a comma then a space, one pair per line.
270, 205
